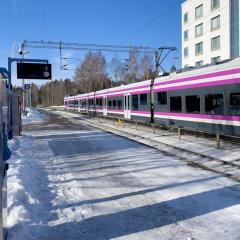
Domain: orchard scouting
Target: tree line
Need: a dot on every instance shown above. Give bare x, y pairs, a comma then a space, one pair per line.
92, 74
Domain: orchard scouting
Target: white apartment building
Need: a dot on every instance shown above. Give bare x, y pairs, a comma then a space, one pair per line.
210, 31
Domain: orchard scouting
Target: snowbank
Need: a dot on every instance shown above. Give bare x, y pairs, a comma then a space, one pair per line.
33, 116
23, 184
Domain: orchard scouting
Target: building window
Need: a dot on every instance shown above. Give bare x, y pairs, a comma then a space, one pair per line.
193, 104
143, 99
215, 4
198, 11
215, 59
215, 23
215, 43
135, 102
176, 104
199, 64
199, 30
185, 35
235, 103
199, 48
186, 52
185, 18
214, 104
162, 98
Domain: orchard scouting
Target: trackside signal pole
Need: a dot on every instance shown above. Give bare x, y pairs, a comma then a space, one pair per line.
160, 56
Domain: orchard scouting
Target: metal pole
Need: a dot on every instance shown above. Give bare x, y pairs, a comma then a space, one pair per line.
1, 180
1, 166
23, 96
153, 128
179, 134
30, 97
218, 141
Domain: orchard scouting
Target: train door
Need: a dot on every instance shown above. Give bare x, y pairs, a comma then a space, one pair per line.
79, 105
104, 106
87, 105
127, 113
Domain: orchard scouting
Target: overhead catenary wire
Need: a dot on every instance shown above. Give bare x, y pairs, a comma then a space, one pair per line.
22, 27
58, 18
44, 17
98, 47
145, 26
88, 46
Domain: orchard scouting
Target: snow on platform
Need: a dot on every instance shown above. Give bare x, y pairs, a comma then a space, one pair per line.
33, 116
89, 184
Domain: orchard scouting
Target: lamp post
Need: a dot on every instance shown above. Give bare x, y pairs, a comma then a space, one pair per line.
22, 52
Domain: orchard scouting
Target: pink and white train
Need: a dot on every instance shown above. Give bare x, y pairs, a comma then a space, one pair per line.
204, 99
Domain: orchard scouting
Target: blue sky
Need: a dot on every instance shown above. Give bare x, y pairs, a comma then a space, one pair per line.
92, 21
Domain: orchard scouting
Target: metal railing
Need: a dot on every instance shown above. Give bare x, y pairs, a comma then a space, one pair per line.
177, 132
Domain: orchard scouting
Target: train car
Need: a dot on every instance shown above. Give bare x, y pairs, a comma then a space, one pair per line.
204, 99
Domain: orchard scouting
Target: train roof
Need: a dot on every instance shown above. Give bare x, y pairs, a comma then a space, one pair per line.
178, 74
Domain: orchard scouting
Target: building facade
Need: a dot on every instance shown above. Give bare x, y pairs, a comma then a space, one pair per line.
210, 31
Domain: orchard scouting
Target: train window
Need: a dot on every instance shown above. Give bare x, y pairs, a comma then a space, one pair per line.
109, 103
214, 104
176, 104
235, 103
119, 104
193, 104
114, 103
143, 99
162, 98
235, 99
135, 102
100, 102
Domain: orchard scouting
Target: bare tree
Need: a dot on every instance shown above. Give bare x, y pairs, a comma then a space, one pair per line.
134, 65
91, 74
146, 66
120, 70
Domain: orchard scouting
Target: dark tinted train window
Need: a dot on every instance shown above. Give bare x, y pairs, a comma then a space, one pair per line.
114, 103
235, 103
176, 104
235, 99
90, 102
143, 99
135, 102
162, 98
109, 103
100, 101
214, 104
193, 104
119, 104
75, 103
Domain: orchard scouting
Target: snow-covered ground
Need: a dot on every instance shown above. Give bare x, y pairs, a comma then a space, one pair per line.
70, 183
33, 116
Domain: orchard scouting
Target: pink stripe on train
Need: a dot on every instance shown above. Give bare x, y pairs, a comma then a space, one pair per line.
199, 85
203, 116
